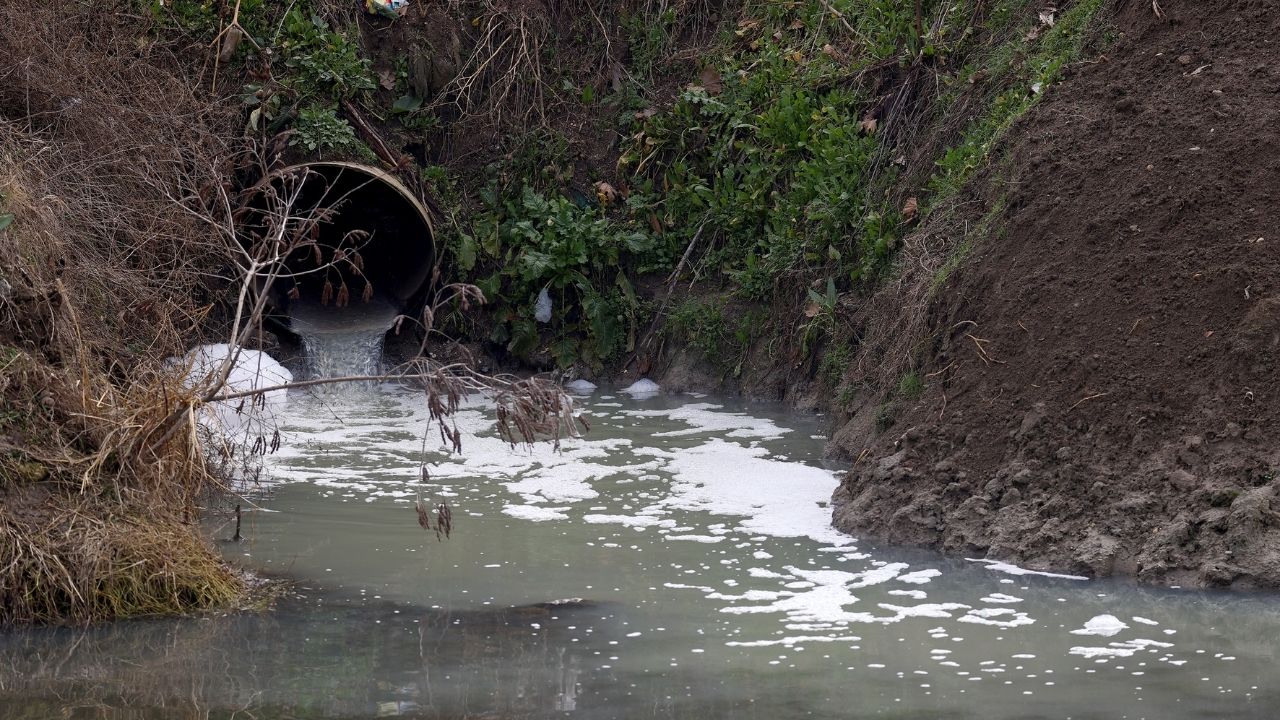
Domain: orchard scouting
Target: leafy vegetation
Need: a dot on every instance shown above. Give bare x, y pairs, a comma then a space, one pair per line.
536, 244
1025, 81
320, 128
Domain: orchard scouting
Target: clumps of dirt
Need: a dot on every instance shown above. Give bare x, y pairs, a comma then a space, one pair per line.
1100, 375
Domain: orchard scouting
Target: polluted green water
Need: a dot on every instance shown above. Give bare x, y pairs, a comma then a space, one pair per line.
675, 562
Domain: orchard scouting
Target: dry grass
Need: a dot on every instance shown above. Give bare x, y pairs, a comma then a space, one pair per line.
502, 78
99, 132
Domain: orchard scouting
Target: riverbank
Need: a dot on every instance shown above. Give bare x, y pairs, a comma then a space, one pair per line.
1021, 253
1097, 378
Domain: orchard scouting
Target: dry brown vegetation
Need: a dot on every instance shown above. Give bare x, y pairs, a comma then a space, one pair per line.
102, 275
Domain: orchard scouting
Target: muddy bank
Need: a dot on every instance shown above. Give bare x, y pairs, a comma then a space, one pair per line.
1099, 378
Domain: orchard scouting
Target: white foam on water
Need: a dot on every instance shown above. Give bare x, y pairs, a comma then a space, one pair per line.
707, 418
635, 521
788, 641
236, 422
707, 539
772, 498
1102, 626
998, 617
1124, 649
582, 387
919, 577
715, 478
535, 513
641, 389
1008, 569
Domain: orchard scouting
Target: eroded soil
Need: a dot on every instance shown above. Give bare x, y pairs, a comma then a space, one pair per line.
1102, 395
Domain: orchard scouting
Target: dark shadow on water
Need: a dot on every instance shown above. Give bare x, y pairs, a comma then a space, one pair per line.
310, 657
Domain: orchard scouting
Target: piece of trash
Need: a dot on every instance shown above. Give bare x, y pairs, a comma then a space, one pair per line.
386, 8
542, 310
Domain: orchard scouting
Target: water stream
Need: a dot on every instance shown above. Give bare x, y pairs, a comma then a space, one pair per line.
343, 342
688, 538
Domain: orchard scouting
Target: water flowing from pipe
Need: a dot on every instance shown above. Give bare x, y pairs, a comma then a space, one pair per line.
341, 342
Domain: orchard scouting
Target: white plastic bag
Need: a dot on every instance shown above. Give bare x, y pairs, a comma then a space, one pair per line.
542, 310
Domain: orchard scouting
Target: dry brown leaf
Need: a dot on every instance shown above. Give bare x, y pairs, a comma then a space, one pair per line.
646, 113
868, 125
617, 76
230, 41
812, 310
711, 80
796, 24
910, 208
655, 224
1048, 16
387, 79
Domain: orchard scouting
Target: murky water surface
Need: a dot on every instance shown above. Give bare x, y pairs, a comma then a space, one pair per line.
690, 541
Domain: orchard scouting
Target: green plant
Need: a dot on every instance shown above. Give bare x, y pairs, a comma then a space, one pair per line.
910, 386
885, 416
1025, 66
320, 61
835, 361
320, 128
821, 316
702, 325
6, 218
580, 258
772, 146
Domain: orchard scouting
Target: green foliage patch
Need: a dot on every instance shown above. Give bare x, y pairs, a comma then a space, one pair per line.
520, 247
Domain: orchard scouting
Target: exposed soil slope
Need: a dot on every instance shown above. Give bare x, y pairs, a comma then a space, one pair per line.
1101, 394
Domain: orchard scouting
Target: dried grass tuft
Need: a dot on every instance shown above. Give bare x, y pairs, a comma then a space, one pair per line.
102, 272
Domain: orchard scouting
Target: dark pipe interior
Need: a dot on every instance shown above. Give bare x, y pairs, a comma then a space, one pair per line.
395, 258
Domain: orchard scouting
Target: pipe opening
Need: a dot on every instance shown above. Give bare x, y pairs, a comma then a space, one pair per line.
372, 248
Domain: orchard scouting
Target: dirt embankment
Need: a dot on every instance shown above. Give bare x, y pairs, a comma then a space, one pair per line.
1100, 388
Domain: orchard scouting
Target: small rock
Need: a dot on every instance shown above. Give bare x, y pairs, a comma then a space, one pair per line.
1184, 59
1012, 496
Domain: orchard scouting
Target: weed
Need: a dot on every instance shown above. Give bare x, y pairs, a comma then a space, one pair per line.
1025, 83
320, 61
910, 386
702, 324
886, 415
990, 224
320, 128
579, 257
835, 361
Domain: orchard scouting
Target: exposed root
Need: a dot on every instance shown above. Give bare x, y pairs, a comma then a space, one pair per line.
503, 78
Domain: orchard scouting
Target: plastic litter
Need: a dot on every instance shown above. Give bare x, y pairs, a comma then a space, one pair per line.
388, 8
542, 310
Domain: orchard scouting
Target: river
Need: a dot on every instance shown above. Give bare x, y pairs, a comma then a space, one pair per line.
674, 562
